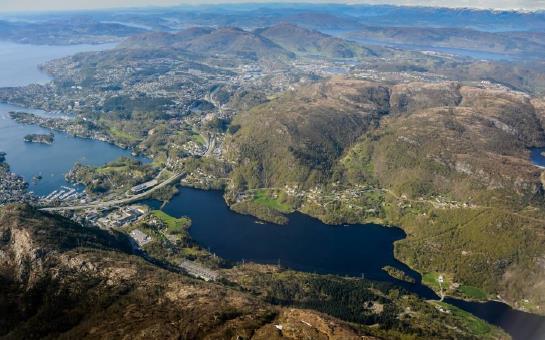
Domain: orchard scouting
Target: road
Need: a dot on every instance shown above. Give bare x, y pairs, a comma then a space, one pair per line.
118, 202
211, 145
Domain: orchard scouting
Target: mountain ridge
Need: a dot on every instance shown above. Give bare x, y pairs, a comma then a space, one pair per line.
432, 154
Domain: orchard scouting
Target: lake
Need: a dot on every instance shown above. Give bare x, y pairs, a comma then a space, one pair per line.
306, 244
537, 157
320, 248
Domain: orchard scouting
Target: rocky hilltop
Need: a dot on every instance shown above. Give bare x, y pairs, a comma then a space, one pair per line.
62, 280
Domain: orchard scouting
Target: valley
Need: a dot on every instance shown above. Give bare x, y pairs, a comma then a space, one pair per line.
290, 168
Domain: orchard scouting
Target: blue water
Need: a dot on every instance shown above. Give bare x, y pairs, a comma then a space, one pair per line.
474, 54
18, 67
19, 62
536, 156
53, 161
306, 244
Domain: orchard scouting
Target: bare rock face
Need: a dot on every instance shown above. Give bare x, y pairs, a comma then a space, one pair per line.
525, 287
60, 279
408, 98
512, 112
315, 326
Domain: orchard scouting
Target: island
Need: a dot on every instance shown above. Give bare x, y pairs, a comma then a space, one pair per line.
398, 274
40, 138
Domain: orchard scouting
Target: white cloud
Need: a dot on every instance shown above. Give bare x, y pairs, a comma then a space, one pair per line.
495, 4
41, 5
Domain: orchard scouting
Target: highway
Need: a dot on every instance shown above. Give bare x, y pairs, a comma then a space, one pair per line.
116, 202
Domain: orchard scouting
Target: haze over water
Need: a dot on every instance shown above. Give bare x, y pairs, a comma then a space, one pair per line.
19, 62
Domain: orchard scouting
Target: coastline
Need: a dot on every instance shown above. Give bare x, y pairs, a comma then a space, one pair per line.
387, 225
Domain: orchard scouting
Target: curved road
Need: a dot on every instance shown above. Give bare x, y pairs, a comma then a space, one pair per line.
117, 202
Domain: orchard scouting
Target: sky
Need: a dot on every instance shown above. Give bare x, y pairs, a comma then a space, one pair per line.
46, 5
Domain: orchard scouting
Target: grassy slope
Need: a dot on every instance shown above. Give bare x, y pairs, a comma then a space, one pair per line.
451, 165
474, 155
460, 155
174, 225
296, 139
118, 175
262, 197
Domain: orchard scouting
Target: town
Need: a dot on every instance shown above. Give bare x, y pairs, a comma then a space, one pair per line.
13, 188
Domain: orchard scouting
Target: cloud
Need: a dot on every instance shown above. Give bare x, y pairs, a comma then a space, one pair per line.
50, 5
495, 4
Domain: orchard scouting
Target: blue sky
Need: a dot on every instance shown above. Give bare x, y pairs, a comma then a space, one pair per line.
40, 5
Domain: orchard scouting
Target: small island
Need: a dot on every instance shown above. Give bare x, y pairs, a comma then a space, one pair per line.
398, 274
40, 138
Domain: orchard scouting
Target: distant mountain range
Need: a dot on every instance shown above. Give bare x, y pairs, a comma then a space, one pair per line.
224, 41
282, 41
512, 43
335, 16
65, 32
301, 40
486, 30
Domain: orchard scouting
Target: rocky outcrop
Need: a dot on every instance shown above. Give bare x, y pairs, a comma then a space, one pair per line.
60, 279
408, 98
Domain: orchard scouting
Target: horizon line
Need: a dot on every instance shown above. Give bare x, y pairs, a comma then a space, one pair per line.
258, 3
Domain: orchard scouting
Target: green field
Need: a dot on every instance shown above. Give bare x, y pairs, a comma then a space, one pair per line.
198, 139
432, 280
475, 325
473, 292
263, 198
119, 134
174, 225
470, 292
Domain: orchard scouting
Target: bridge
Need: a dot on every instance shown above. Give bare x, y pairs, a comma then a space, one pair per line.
116, 202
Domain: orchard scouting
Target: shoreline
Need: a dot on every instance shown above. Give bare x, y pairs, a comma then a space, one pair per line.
111, 142
458, 300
